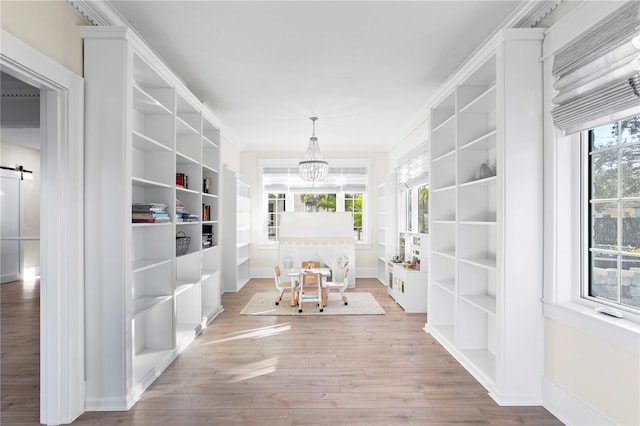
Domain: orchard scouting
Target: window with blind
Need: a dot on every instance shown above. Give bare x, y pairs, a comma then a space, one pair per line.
597, 82
344, 189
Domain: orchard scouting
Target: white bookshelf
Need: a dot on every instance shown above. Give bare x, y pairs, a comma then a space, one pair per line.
237, 241
144, 303
485, 268
387, 227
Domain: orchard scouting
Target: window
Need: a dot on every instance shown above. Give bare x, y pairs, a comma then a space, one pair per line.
353, 204
613, 191
423, 209
344, 189
275, 205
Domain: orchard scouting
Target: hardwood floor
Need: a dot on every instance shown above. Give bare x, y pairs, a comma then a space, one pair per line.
307, 370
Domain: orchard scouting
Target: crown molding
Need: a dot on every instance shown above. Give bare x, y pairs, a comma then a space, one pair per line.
97, 12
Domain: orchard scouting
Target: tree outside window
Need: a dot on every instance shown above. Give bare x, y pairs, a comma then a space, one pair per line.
423, 209
353, 204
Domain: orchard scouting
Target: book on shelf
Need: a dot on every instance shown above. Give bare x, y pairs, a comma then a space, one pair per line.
151, 220
182, 180
149, 207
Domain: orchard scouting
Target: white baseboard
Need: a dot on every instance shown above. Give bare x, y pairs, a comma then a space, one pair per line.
568, 408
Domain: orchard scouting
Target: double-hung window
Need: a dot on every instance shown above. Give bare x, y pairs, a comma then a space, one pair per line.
612, 188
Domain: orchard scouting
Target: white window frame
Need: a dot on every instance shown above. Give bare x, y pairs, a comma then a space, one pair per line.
365, 243
585, 234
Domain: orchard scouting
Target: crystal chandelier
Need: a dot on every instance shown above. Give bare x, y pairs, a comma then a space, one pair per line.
313, 167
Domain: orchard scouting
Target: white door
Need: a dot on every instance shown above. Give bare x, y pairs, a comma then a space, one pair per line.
11, 218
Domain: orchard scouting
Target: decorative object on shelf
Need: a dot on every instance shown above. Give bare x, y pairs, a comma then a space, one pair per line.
182, 243
206, 185
313, 167
483, 172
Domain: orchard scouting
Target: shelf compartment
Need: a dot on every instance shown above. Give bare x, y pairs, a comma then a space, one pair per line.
472, 126
443, 111
442, 313
483, 102
145, 143
443, 138
477, 338
152, 244
189, 146
477, 203
210, 156
444, 173
443, 206
448, 286
147, 166
151, 286
142, 264
477, 245
483, 302
146, 103
443, 238
152, 334
188, 315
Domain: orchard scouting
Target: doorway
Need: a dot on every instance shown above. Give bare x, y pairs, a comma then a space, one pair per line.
61, 292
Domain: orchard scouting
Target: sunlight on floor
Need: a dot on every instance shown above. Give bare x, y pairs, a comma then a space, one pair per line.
255, 333
254, 369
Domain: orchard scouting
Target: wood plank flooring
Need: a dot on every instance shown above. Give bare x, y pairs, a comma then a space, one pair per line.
307, 370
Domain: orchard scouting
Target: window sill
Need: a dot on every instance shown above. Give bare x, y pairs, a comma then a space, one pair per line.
621, 332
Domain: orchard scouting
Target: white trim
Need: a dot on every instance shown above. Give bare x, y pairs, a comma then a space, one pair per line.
570, 409
62, 248
620, 332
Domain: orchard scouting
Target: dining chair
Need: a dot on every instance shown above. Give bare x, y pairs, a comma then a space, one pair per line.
310, 285
282, 286
336, 285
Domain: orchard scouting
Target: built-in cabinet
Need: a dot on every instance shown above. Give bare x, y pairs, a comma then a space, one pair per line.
387, 228
237, 240
486, 217
148, 141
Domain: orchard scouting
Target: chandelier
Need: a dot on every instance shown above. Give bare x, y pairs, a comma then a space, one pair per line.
313, 167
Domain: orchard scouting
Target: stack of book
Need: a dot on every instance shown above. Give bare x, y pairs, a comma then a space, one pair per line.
149, 213
183, 215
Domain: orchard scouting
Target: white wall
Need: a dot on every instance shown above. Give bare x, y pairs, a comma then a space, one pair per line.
49, 27
10, 156
592, 363
263, 259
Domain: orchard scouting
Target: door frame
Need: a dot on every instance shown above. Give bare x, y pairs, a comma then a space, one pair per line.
61, 227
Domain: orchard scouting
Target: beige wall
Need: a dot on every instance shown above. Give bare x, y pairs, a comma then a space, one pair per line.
264, 259
601, 375
10, 156
47, 26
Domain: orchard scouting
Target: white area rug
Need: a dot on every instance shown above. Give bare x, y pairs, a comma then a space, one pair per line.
359, 304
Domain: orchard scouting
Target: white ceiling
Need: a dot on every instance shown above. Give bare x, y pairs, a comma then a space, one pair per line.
366, 68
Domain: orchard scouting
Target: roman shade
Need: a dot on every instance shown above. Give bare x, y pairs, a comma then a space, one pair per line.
595, 79
413, 167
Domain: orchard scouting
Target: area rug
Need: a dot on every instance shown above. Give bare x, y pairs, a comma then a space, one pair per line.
359, 304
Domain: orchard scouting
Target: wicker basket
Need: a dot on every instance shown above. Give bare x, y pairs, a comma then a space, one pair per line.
182, 243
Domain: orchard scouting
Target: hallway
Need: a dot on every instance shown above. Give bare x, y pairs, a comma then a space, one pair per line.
264, 370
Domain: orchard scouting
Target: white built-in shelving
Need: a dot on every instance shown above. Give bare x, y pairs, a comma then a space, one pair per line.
485, 267
237, 241
144, 303
386, 231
